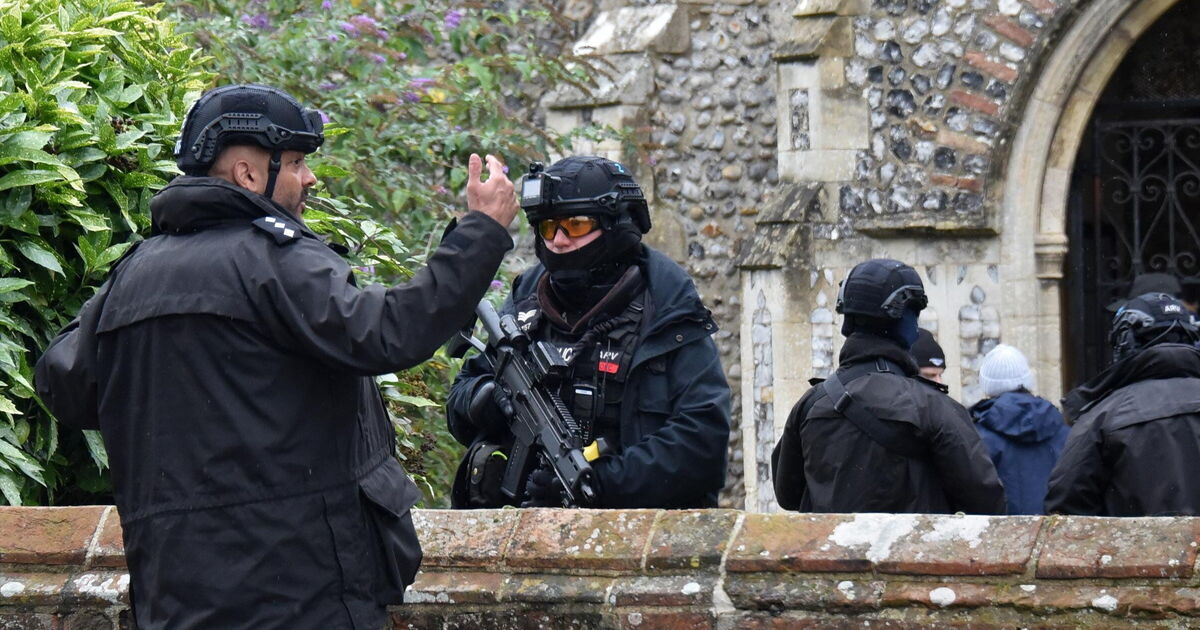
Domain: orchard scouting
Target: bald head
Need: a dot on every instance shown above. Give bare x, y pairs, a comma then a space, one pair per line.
245, 165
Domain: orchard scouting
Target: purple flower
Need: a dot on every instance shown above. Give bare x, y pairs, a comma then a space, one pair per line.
496, 285
411, 97
327, 86
421, 83
327, 5
365, 21
259, 21
378, 58
403, 56
324, 117
349, 28
452, 20
333, 37
506, 168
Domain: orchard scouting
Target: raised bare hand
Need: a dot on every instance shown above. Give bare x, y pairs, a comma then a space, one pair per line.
494, 197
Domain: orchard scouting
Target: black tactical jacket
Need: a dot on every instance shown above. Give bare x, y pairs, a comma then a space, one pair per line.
1135, 448
228, 363
674, 421
823, 463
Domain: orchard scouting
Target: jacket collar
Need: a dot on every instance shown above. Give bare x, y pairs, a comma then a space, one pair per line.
864, 346
192, 204
1168, 360
618, 298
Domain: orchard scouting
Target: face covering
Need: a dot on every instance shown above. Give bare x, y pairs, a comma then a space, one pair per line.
907, 329
902, 331
582, 277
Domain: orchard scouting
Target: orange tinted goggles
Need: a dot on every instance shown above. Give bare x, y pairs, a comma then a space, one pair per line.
573, 226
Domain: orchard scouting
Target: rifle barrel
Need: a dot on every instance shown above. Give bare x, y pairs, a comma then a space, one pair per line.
491, 320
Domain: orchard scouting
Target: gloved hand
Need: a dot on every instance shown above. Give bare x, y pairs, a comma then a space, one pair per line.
543, 489
490, 407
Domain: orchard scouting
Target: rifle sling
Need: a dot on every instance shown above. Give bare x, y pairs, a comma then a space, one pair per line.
888, 434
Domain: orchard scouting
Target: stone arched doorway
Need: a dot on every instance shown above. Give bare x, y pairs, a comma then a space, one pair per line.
1135, 202
1037, 195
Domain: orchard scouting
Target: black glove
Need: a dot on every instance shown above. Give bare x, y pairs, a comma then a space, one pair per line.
490, 407
543, 489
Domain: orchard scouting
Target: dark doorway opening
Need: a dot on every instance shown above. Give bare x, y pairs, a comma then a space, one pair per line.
1135, 203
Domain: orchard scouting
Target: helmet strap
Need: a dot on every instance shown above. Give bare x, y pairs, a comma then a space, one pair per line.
273, 172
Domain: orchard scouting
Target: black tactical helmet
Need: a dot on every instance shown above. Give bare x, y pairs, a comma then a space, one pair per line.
246, 114
1150, 319
881, 288
583, 185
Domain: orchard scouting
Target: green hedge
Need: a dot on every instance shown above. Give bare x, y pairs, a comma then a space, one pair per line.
91, 97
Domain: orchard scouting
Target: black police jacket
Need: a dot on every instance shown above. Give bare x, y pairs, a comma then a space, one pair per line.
674, 424
1135, 448
824, 463
228, 363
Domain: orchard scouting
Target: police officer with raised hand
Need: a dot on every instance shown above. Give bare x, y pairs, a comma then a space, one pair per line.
873, 438
645, 380
1134, 447
228, 363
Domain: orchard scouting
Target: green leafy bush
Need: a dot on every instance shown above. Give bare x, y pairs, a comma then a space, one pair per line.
418, 85
91, 96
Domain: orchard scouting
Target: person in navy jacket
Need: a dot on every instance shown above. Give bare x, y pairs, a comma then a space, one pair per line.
1024, 434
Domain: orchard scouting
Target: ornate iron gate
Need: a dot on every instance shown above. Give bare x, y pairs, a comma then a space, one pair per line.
1141, 215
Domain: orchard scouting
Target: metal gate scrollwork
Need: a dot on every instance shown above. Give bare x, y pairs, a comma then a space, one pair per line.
1142, 216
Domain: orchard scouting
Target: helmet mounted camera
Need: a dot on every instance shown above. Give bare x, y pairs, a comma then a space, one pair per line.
584, 185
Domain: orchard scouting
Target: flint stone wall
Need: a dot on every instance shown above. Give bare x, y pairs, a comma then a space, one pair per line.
63, 569
786, 140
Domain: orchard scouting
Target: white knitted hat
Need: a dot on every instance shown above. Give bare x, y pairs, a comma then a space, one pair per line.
1004, 369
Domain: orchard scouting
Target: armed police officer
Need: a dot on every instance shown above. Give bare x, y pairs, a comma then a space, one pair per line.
873, 438
228, 363
645, 381
1134, 447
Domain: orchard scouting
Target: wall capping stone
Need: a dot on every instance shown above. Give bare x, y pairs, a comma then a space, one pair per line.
695, 569
780, 233
662, 28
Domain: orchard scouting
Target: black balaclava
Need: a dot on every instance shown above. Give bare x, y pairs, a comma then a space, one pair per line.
902, 331
582, 277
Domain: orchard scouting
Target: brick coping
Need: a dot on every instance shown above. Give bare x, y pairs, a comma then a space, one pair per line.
703, 562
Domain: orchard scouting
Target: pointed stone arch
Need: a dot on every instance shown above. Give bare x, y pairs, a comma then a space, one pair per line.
1037, 182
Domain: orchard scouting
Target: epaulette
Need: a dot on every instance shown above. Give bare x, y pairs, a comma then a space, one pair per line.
281, 230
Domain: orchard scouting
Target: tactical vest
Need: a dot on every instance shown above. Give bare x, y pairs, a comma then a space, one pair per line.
600, 360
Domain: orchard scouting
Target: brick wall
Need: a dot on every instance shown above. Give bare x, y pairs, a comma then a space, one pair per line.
62, 568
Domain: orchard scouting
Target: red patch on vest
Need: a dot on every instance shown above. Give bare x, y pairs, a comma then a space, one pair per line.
608, 368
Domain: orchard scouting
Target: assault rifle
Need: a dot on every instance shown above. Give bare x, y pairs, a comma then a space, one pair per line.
530, 372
